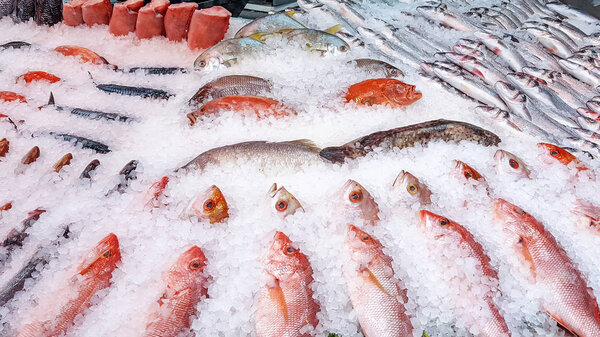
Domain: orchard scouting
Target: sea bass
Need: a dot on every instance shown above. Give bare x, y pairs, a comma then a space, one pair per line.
568, 299
270, 24
94, 274
286, 304
283, 203
375, 293
357, 202
210, 204
186, 285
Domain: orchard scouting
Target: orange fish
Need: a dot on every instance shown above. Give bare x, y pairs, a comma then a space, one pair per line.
38, 76
358, 202
6, 206
569, 300
374, 291
155, 191
62, 162
84, 54
262, 107
282, 201
286, 304
438, 227
552, 153
383, 91
466, 171
186, 285
210, 204
9, 96
4, 147
94, 274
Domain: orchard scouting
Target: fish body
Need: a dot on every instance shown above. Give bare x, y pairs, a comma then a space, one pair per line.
210, 205
261, 107
15, 45
83, 142
485, 71
134, 91
514, 122
378, 68
232, 85
157, 70
441, 15
270, 24
567, 299
388, 91
408, 136
357, 202
227, 53
580, 72
495, 44
6, 7
286, 304
409, 187
375, 293
4, 147
313, 40
84, 54
283, 203
89, 114
186, 286
387, 48
34, 76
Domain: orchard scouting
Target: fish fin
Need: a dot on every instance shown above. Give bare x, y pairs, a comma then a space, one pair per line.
276, 295
334, 154
290, 13
373, 279
334, 29
260, 37
229, 63
526, 254
560, 323
51, 99
91, 77
305, 142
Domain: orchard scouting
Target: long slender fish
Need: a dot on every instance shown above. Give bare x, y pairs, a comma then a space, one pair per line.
84, 142
408, 136
89, 114
231, 85
17, 235
134, 91
157, 70
15, 45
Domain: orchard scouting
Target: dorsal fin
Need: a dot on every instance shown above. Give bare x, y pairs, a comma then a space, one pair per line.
305, 142
51, 99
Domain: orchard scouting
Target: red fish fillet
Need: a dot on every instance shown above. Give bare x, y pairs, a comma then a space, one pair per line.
124, 17
208, 27
96, 12
72, 13
177, 20
94, 274
569, 300
150, 20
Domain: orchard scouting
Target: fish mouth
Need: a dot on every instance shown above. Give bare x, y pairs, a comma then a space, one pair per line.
400, 178
424, 217
499, 155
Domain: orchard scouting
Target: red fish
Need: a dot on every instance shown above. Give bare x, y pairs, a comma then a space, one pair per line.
438, 227
124, 17
155, 192
383, 91
6, 206
358, 202
96, 12
94, 274
587, 215
38, 76
31, 156
208, 27
286, 304
569, 300
72, 13
186, 285
4, 147
9, 96
210, 205
84, 54
177, 20
150, 20
374, 291
262, 107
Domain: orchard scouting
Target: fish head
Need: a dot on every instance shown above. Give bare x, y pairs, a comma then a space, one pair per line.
493, 112
391, 71
515, 221
507, 162
462, 170
208, 61
210, 204
358, 200
551, 153
509, 92
410, 188
401, 93
187, 271
283, 202
284, 258
522, 81
438, 226
362, 246
102, 259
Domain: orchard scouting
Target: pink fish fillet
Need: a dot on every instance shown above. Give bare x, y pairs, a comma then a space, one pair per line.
124, 17
177, 20
96, 12
72, 13
150, 20
208, 27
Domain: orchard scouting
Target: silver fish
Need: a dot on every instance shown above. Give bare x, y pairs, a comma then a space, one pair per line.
573, 32
552, 79
533, 51
571, 12
484, 71
231, 85
514, 99
515, 10
346, 12
227, 53
580, 73
552, 43
311, 40
270, 24
393, 52
441, 15
514, 122
514, 59
562, 36
378, 68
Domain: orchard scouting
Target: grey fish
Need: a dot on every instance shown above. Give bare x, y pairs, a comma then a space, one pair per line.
24, 10
466, 50
378, 68
573, 98
589, 63
431, 40
482, 70
555, 45
84, 142
270, 24
232, 85
157, 70
290, 154
441, 15
6, 7
15, 45
562, 36
408, 136
514, 122
386, 48
48, 12
573, 32
514, 99
511, 57
580, 73
227, 53
17, 235
126, 175
346, 12
88, 114
534, 51
519, 13
134, 91
571, 12
85, 174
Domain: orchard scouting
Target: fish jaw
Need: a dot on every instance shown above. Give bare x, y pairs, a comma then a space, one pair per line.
102, 259
210, 205
359, 201
283, 202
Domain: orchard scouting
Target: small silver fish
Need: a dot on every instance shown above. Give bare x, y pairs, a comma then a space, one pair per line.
227, 53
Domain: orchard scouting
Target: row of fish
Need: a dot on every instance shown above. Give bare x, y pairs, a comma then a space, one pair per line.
43, 12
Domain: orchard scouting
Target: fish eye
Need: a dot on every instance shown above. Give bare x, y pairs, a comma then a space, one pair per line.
281, 206
209, 205
513, 163
202, 64
365, 237
554, 153
289, 250
194, 265
519, 211
107, 253
412, 189
356, 196
444, 222
343, 48
468, 175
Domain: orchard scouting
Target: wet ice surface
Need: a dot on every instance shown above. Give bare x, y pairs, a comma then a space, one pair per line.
442, 297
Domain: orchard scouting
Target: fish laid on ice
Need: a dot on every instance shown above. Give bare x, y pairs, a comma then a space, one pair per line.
88, 114
484, 71
186, 286
383, 91
124, 17
93, 275
85, 143
311, 40
48, 12
30, 157
62, 162
387, 48
126, 175
378, 68
376, 295
6, 7
449, 234
495, 44
134, 91
210, 204
84, 54
9, 96
357, 202
508, 163
408, 187
283, 203
272, 23
286, 305
408, 136
551, 153
4, 147
441, 15
157, 70
24, 10
568, 299
87, 171
15, 45
150, 19
232, 85
177, 20
227, 53
580, 72
261, 107
290, 154
571, 12
35, 76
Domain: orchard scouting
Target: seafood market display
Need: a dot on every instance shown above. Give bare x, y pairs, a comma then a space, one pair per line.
345, 168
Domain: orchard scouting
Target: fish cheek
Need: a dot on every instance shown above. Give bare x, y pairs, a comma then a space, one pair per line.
523, 249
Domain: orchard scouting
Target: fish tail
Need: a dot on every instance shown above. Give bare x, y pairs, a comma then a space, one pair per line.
335, 154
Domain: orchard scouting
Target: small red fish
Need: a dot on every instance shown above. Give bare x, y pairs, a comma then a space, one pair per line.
383, 91
210, 204
262, 107
552, 153
38, 76
286, 304
4, 147
358, 202
62, 162
155, 192
94, 274
9, 96
84, 54
186, 285
569, 300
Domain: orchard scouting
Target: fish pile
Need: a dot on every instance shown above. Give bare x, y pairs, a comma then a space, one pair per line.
44, 12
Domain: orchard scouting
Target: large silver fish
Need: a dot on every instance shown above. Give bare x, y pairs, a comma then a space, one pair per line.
512, 57
227, 53
231, 85
270, 24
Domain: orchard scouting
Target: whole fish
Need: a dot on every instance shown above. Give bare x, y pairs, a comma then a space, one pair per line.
290, 154
286, 304
88, 114
553, 44
441, 15
84, 54
313, 40
408, 136
508, 163
448, 234
4, 147
568, 299
283, 203
388, 91
572, 92
539, 27
375, 293
408, 187
210, 204
62, 162
48, 12
93, 275
580, 73
232, 85
83, 142
15, 45
357, 202
227, 53
86, 173
466, 172
573, 32
484, 71
495, 44
25, 10
134, 91
157, 70
272, 23
186, 285
261, 107
378, 68
513, 121
126, 175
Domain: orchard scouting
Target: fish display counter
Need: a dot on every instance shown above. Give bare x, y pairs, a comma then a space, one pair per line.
343, 168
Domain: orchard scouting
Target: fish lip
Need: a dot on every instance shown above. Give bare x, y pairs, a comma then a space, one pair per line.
400, 178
